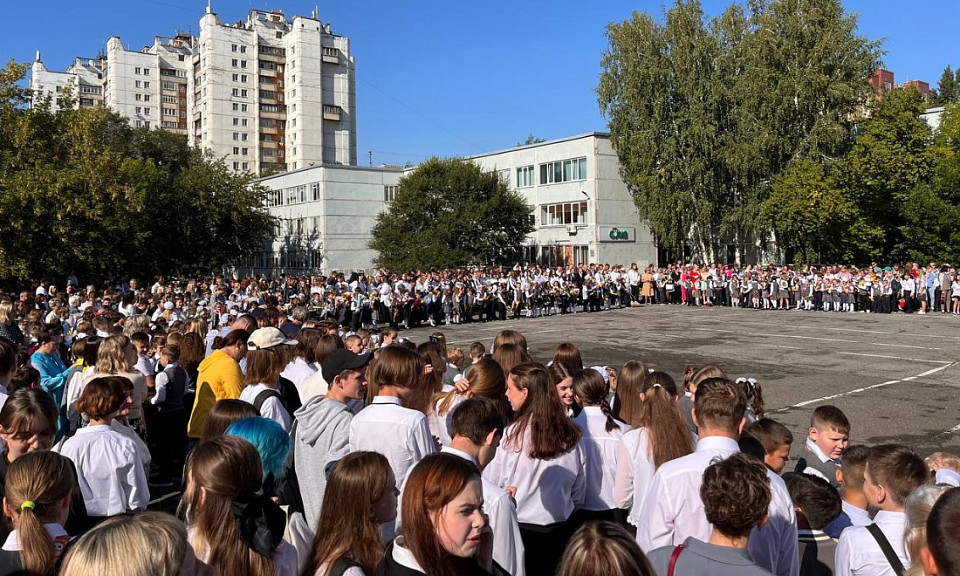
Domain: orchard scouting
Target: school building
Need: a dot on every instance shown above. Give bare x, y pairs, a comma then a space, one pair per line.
581, 209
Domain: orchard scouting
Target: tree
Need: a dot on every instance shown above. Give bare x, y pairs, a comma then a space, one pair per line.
82, 191
448, 213
891, 158
531, 139
948, 88
704, 116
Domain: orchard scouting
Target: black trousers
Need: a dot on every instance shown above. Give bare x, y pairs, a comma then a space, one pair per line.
543, 546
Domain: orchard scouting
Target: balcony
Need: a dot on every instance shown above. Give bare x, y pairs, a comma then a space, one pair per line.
330, 55
331, 112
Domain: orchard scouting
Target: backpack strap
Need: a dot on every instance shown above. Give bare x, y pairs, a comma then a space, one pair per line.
673, 559
263, 395
887, 549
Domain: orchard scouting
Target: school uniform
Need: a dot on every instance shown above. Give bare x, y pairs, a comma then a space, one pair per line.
699, 557
112, 478
634, 472
548, 492
501, 514
817, 553
601, 449
271, 408
672, 510
399, 433
814, 462
169, 424
10, 562
399, 561
859, 554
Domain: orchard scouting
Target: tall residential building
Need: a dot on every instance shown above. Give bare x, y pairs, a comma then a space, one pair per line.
265, 95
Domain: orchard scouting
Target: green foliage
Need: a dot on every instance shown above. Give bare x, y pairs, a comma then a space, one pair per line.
531, 139
948, 89
82, 191
891, 158
705, 115
448, 213
810, 212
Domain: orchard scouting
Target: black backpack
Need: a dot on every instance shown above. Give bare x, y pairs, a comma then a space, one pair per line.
288, 488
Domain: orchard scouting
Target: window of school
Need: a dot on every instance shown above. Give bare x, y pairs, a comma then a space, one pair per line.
563, 213
315, 190
525, 176
563, 171
390, 193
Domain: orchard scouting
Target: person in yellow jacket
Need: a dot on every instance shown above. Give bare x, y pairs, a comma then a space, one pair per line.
219, 378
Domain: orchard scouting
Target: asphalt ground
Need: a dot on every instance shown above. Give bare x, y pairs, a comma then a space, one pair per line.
895, 376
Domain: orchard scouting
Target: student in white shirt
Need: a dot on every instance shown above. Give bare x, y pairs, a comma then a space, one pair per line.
662, 436
892, 472
37, 501
486, 381
304, 364
264, 363
672, 510
385, 425
231, 525
602, 436
477, 427
542, 462
112, 476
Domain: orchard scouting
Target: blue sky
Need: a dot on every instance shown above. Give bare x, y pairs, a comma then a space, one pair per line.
442, 77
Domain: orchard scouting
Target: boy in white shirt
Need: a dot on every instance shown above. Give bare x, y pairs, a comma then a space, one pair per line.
892, 472
827, 438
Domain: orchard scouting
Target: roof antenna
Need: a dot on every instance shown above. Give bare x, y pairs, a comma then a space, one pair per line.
209, 6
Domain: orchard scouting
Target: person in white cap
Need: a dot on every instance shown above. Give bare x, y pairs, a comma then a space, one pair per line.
262, 377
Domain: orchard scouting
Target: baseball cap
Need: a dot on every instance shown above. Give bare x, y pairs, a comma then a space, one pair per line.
263, 338
342, 359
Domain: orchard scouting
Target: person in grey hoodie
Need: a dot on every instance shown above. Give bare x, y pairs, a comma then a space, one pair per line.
323, 426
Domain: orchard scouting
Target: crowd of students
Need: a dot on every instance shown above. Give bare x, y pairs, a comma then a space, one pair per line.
303, 447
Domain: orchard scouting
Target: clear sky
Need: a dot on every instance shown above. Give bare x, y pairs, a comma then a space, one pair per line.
451, 77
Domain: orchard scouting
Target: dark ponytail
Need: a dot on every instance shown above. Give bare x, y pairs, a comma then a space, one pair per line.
592, 390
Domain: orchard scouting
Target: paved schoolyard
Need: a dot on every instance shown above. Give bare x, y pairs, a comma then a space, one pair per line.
895, 376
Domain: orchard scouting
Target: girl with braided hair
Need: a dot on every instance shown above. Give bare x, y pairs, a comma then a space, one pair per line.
601, 440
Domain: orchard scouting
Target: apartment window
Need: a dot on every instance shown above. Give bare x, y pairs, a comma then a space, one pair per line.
139, 110
315, 191
146, 72
563, 213
243, 63
146, 97
236, 165
243, 136
138, 97
169, 112
563, 171
235, 106
236, 136
390, 193
146, 123
233, 47
236, 77
136, 83
234, 62
243, 121
243, 107
236, 149
136, 71
146, 84
146, 111
302, 193
525, 176
246, 165
243, 78
243, 93
170, 99
168, 85
243, 151
243, 49
236, 121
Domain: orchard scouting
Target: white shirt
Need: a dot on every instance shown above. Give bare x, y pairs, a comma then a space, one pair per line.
859, 553
501, 513
284, 557
142, 450
440, 425
635, 470
298, 370
111, 474
144, 366
313, 386
548, 491
672, 510
858, 516
399, 433
271, 408
601, 449
12, 543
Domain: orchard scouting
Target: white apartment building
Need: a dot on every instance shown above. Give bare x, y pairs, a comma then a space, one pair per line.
581, 209
265, 95
83, 80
